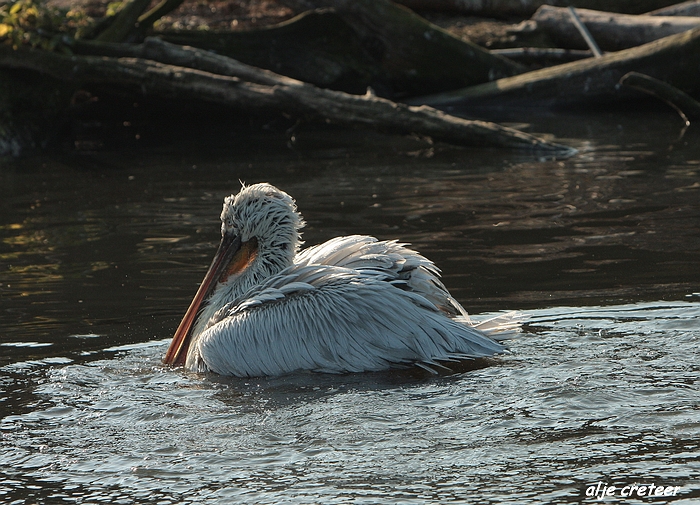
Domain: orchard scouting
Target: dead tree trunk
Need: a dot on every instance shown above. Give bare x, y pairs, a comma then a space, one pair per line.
612, 32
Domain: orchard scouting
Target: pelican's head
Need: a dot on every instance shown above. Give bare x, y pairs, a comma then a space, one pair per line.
266, 221
259, 238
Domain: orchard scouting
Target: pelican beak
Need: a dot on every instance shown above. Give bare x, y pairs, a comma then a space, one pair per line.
231, 257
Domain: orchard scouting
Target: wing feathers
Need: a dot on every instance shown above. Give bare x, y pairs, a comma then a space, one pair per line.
386, 260
342, 321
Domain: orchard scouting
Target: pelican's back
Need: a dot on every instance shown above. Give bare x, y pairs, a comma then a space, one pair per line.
387, 260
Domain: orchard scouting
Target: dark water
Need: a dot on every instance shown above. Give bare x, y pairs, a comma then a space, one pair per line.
101, 253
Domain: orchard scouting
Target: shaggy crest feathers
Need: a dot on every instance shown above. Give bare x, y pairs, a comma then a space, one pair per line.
265, 212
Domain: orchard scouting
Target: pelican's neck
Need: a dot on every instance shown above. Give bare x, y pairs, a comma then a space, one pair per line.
272, 257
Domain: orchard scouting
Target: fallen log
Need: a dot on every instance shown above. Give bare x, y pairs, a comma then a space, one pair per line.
611, 31
270, 92
158, 50
673, 59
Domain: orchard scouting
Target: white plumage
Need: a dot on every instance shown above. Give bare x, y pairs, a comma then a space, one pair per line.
351, 304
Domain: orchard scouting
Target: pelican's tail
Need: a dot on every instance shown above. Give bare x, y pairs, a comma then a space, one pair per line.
501, 327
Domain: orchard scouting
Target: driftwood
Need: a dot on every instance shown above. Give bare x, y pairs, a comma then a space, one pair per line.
234, 84
594, 80
612, 32
687, 107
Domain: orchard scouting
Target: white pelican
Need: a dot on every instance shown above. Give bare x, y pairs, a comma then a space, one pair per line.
351, 304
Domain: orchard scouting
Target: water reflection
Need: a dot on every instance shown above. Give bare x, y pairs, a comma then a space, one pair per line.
101, 255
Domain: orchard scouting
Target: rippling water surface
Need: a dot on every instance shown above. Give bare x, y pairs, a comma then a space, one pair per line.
101, 253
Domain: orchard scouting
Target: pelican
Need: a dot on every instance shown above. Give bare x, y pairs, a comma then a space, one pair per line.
351, 304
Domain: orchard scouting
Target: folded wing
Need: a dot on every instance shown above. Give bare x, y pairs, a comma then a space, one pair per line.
387, 260
335, 319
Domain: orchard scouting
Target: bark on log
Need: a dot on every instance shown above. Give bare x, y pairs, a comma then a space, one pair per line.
612, 32
160, 51
177, 82
672, 59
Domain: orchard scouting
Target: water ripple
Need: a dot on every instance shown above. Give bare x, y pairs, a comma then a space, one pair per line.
587, 394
